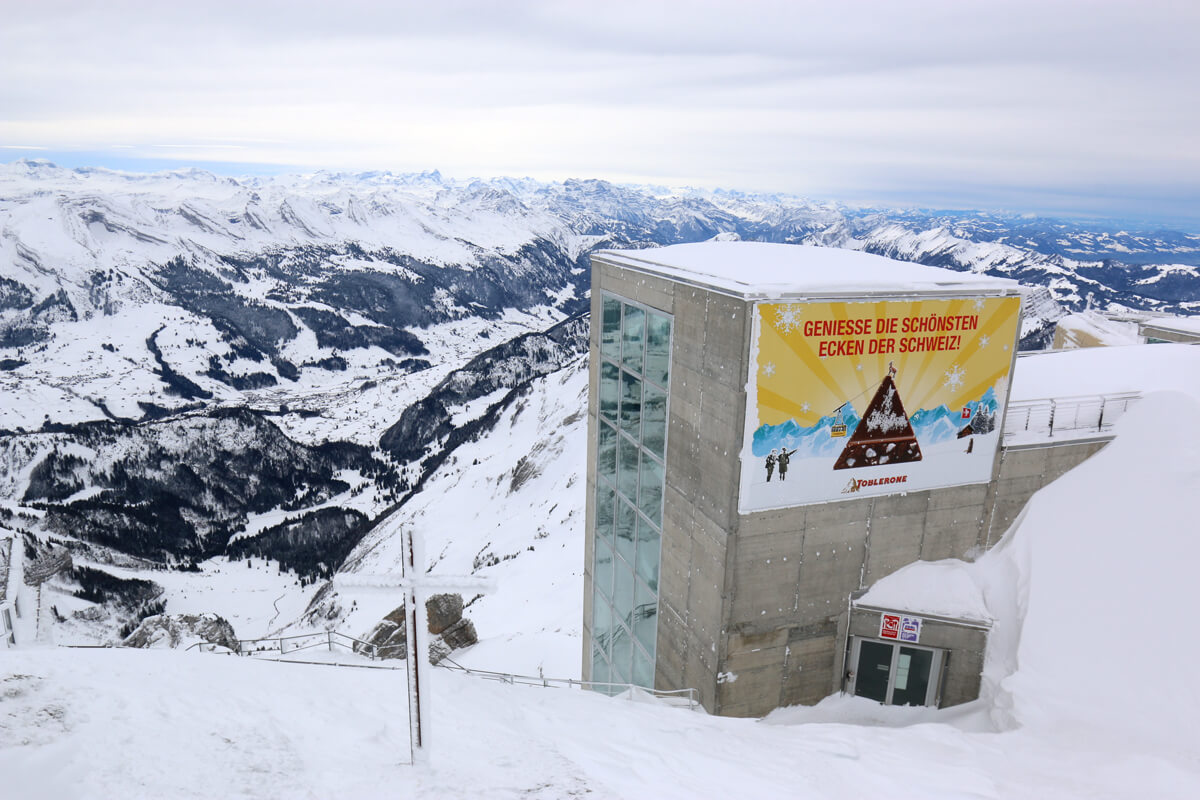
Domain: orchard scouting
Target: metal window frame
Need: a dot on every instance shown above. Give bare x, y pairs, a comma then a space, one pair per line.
643, 452
933, 693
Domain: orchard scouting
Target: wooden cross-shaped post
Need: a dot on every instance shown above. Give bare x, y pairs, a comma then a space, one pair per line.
417, 586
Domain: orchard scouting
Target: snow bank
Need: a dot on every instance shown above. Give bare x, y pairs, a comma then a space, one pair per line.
1090, 329
1091, 592
1105, 564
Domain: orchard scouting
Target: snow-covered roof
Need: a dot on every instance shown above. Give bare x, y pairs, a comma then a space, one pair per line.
762, 269
943, 588
1181, 324
1108, 370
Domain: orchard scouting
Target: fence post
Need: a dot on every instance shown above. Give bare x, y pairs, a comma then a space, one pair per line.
1100, 425
1053, 406
329, 636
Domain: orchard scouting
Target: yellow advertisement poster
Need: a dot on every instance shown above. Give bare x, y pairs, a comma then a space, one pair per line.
858, 399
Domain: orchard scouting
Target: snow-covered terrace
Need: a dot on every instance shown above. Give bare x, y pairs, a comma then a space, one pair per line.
1075, 394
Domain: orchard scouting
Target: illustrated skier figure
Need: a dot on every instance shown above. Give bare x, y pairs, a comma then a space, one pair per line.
772, 457
784, 458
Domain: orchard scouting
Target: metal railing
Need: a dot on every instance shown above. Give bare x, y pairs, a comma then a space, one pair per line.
690, 696
1051, 415
283, 645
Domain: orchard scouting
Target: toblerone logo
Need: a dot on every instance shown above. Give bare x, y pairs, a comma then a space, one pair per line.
861, 483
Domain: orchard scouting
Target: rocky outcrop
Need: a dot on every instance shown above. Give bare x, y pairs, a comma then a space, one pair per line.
450, 630
182, 630
512, 366
180, 488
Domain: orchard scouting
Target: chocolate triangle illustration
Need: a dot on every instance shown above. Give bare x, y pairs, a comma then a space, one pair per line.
884, 435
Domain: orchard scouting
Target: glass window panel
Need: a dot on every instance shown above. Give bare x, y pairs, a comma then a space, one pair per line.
602, 575
626, 527
599, 670
650, 490
913, 670
601, 623
643, 669
874, 668
658, 348
631, 404
628, 477
649, 554
605, 497
610, 329
623, 593
610, 380
654, 419
606, 452
622, 655
645, 617
634, 337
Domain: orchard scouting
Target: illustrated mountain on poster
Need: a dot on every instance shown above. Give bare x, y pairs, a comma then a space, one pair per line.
884, 435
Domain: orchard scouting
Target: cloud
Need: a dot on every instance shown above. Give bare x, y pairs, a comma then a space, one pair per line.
823, 99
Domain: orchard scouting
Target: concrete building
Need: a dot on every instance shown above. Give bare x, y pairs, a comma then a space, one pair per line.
772, 430
1159, 330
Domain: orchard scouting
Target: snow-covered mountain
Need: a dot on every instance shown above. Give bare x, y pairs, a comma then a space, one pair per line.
196, 368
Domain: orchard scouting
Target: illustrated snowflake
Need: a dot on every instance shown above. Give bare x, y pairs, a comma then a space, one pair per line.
787, 318
859, 368
769, 368
805, 407
979, 304
983, 341
954, 377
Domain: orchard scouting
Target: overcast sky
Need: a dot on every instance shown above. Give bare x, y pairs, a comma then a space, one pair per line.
1082, 108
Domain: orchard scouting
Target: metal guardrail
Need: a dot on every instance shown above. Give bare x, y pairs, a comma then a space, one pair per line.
690, 695
1051, 415
283, 645
333, 639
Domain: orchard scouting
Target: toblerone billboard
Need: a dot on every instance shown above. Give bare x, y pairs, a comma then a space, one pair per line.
857, 399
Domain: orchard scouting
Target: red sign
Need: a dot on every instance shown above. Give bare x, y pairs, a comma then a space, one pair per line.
966, 413
889, 626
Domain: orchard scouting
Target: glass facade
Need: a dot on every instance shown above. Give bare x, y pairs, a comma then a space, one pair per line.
635, 350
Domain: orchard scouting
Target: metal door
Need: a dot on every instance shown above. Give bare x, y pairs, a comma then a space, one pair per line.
895, 674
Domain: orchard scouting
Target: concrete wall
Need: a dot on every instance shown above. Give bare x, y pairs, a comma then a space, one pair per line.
795, 569
963, 667
1168, 334
1025, 469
